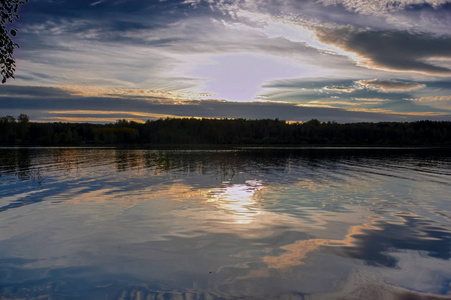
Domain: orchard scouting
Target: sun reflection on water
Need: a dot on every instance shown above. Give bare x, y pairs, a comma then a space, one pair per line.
240, 201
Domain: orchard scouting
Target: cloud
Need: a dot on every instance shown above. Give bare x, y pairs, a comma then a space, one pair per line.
433, 99
143, 94
378, 7
309, 83
397, 96
101, 116
159, 55
370, 100
390, 85
426, 20
67, 107
32, 91
443, 102
390, 50
140, 52
340, 89
330, 103
425, 115
309, 89
420, 15
96, 3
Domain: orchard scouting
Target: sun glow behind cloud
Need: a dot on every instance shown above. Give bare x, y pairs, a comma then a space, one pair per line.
238, 77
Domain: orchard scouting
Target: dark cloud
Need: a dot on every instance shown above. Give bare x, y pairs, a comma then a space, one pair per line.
32, 91
390, 50
53, 25
84, 9
107, 21
438, 84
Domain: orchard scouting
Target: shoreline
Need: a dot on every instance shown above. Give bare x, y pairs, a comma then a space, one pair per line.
231, 147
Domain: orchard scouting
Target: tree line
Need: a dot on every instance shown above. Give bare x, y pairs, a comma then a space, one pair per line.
191, 131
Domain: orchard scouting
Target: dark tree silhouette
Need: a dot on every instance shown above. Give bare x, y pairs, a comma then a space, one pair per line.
191, 131
9, 10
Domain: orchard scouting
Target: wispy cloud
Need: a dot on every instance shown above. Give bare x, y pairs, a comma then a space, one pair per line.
390, 85
378, 7
433, 99
331, 103
163, 95
97, 2
370, 100
340, 89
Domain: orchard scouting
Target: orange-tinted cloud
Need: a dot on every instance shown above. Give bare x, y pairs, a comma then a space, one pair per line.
433, 98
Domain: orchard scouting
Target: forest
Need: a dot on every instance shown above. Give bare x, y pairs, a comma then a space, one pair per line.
192, 131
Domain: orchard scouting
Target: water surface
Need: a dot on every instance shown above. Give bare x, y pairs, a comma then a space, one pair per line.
240, 224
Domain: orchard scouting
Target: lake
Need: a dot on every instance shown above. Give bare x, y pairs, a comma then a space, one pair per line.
239, 224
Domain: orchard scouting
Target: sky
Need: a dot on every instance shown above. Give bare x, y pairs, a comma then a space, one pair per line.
296, 60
